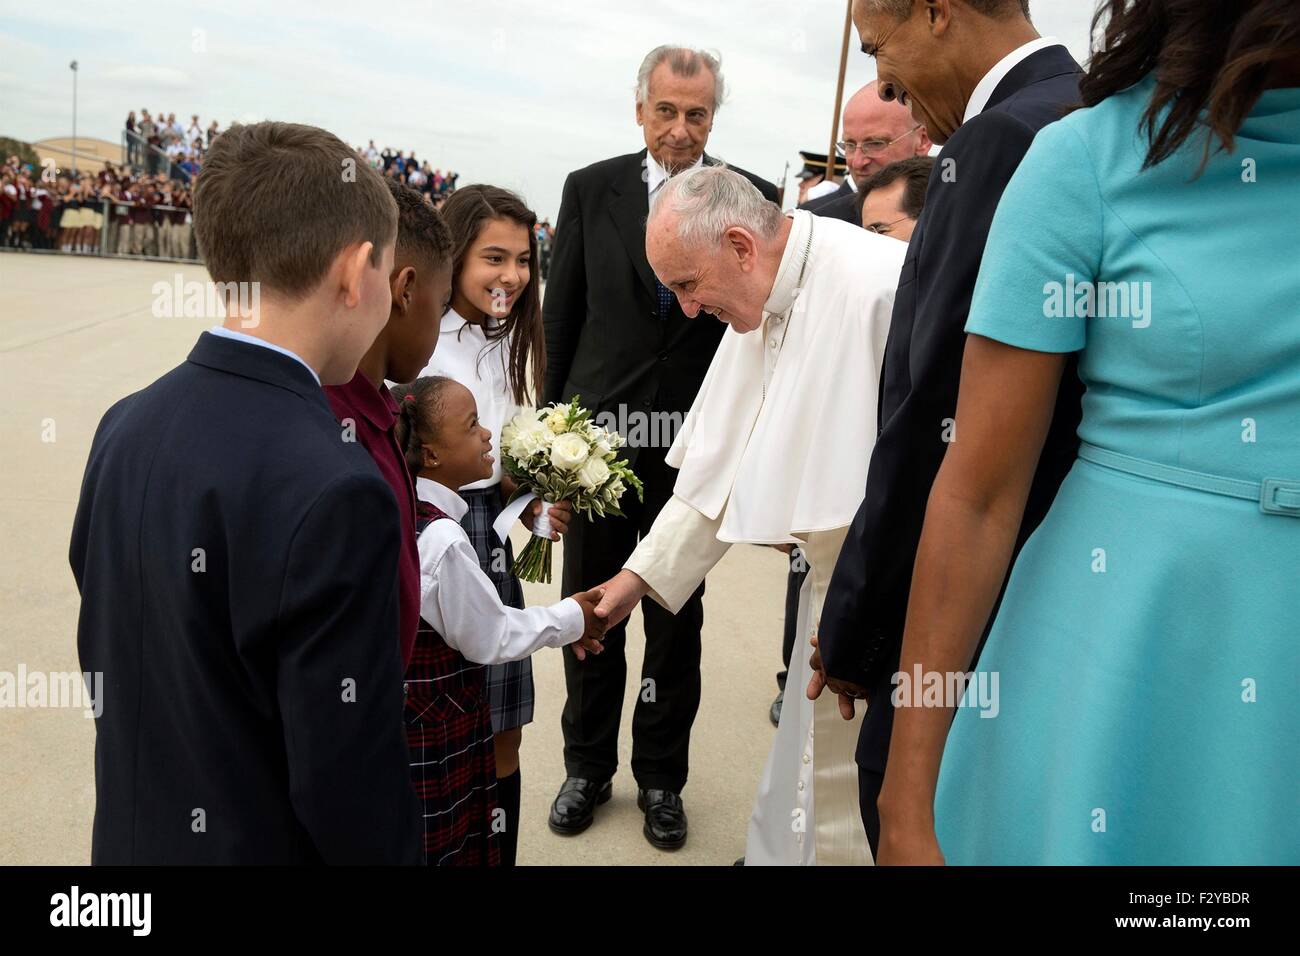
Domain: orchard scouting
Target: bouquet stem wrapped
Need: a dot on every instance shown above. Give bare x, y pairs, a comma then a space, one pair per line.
534, 561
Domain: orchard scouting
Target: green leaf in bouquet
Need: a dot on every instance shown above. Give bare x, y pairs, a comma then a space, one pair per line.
621, 470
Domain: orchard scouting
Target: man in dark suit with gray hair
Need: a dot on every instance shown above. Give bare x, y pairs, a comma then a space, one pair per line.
618, 339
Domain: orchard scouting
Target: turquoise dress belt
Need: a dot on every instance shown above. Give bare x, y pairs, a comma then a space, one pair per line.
1276, 496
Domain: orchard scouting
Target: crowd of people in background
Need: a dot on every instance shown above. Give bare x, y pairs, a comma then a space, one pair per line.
152, 139
146, 202
145, 214
544, 233
162, 143
405, 168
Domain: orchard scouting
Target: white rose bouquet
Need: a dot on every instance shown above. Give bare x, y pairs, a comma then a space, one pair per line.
557, 453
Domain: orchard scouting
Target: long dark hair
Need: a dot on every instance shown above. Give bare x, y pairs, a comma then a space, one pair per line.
465, 212
1211, 56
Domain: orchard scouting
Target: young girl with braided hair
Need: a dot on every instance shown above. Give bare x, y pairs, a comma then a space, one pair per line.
463, 626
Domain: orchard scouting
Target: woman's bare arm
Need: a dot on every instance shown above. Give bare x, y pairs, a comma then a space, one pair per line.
975, 509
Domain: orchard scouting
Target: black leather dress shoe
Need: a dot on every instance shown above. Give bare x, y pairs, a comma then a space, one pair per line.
665, 818
575, 805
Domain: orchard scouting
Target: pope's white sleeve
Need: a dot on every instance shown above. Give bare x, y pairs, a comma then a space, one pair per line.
681, 548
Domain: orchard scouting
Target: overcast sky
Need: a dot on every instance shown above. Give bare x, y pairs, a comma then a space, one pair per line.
511, 92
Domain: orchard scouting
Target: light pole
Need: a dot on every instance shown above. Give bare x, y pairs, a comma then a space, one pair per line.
73, 67
839, 96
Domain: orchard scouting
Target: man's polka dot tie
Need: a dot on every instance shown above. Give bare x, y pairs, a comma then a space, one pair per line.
665, 299
665, 294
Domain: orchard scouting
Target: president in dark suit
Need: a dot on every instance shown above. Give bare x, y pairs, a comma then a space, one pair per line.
618, 339
983, 100
236, 554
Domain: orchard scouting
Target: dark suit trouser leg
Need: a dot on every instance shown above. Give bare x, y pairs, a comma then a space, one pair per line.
873, 744
594, 551
793, 585
869, 782
666, 707
669, 696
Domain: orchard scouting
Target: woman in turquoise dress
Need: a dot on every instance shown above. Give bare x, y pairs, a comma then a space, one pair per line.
1147, 647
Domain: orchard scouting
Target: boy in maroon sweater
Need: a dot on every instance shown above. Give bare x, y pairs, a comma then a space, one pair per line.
421, 288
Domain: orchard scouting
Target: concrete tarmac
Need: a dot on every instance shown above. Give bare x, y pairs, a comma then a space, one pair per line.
78, 333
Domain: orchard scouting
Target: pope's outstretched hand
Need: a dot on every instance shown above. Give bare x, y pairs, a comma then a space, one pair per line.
622, 593
593, 631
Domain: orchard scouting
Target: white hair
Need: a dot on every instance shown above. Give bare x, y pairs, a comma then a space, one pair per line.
709, 200
683, 61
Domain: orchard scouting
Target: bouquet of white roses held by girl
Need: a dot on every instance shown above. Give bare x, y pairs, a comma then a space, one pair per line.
558, 453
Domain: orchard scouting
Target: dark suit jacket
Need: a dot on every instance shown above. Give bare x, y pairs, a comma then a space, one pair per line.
815, 205
839, 207
252, 689
861, 628
604, 339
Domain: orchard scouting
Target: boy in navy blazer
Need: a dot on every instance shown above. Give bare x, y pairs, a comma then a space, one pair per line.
236, 554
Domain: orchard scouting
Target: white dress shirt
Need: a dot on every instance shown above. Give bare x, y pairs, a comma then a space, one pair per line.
226, 333
462, 604
823, 188
656, 175
464, 354
979, 97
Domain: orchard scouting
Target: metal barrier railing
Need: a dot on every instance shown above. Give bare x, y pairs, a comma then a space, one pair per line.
120, 232
142, 155
151, 239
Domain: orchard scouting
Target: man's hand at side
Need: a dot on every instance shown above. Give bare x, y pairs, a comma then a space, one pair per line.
846, 692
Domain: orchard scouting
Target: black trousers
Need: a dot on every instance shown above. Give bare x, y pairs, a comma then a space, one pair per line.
869, 782
793, 585
668, 695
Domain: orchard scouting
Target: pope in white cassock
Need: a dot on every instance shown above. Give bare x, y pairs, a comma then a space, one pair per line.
774, 451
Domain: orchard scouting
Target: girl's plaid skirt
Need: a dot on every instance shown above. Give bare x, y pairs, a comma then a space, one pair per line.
449, 736
510, 686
